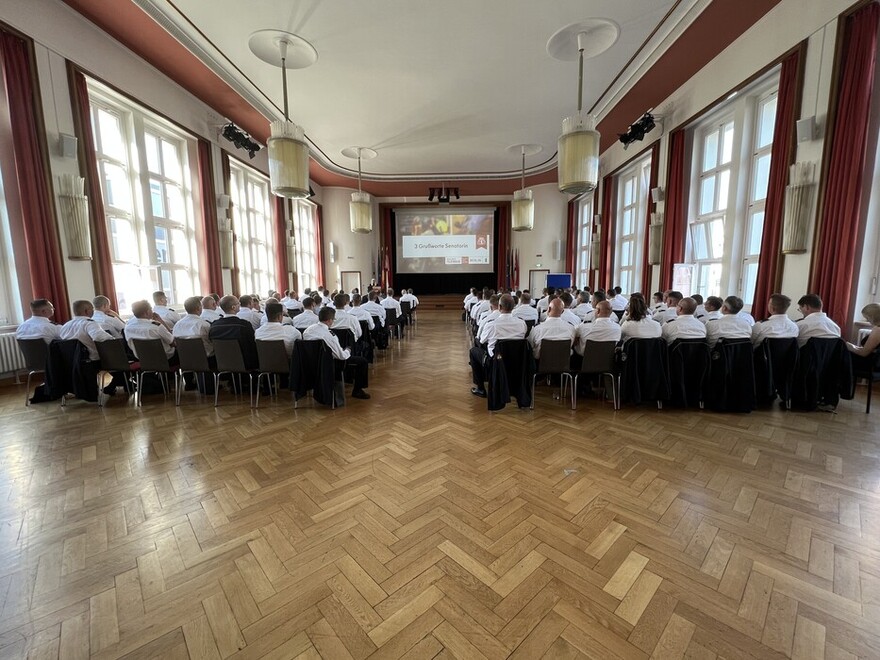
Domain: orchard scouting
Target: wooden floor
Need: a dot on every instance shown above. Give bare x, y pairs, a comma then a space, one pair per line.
419, 525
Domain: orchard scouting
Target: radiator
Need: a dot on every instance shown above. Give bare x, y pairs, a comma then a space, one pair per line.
11, 359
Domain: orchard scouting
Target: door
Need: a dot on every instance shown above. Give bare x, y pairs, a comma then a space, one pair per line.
537, 282
351, 279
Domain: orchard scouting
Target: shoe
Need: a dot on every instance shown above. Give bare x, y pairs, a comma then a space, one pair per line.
110, 390
476, 391
360, 394
190, 387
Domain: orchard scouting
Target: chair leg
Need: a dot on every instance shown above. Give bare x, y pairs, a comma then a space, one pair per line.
27, 390
574, 391
534, 376
259, 383
870, 389
216, 387
251, 390
138, 395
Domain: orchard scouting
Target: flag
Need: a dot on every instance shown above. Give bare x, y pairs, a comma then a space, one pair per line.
516, 269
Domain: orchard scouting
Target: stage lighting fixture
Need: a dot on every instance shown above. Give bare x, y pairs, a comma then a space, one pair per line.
637, 131
240, 139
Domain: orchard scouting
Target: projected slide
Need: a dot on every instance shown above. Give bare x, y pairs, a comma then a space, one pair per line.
445, 240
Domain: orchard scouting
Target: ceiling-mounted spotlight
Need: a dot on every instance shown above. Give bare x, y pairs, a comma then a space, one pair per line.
638, 129
443, 194
240, 139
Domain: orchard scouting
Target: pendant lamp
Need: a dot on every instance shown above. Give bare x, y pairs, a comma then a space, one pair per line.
522, 209
361, 205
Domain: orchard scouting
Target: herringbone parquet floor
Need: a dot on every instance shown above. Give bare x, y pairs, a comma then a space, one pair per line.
418, 525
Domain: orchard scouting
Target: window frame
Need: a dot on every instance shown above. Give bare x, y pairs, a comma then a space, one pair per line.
305, 233
253, 224
628, 276
584, 240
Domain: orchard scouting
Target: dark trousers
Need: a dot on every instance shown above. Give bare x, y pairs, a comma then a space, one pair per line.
357, 368
478, 357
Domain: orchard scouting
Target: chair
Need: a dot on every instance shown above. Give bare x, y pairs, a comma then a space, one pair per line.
868, 368
824, 374
312, 369
231, 361
380, 335
644, 373
364, 345
193, 359
35, 353
292, 313
273, 362
345, 337
529, 325
688, 367
114, 359
153, 360
731, 386
600, 357
407, 311
391, 319
510, 373
68, 369
555, 360
776, 361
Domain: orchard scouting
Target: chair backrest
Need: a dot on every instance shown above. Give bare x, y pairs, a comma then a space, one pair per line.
273, 357
555, 356
689, 361
599, 357
390, 316
151, 354
113, 355
406, 307
294, 312
529, 325
192, 355
365, 330
644, 370
35, 353
618, 313
229, 357
345, 336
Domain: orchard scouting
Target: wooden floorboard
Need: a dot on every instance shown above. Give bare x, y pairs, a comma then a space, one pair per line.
417, 524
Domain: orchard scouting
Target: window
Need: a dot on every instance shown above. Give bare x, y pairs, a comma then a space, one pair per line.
585, 228
254, 229
731, 173
305, 220
632, 209
10, 300
145, 169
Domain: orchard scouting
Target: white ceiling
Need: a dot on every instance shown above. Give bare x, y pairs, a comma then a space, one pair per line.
438, 88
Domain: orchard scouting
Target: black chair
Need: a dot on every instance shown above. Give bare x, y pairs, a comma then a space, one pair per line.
364, 345
731, 386
273, 363
380, 334
69, 370
824, 374
345, 337
312, 369
152, 358
600, 357
529, 325
688, 370
193, 359
231, 361
867, 367
555, 360
292, 313
114, 359
393, 322
35, 353
510, 373
644, 372
619, 314
407, 312
776, 361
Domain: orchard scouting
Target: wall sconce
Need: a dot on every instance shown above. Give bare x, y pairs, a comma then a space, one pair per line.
75, 212
798, 207
655, 239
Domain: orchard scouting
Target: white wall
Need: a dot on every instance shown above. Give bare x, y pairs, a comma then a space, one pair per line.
536, 247
353, 251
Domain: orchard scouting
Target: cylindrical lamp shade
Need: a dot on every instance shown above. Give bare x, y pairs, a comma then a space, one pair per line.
522, 211
578, 157
288, 160
361, 210
227, 259
75, 211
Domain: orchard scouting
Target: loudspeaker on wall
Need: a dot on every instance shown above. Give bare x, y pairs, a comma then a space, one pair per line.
806, 129
67, 146
557, 249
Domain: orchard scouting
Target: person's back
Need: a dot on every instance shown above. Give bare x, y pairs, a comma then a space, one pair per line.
84, 329
235, 328
39, 325
603, 328
684, 325
778, 325
815, 323
730, 325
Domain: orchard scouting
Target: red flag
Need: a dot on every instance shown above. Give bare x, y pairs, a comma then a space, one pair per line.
516, 268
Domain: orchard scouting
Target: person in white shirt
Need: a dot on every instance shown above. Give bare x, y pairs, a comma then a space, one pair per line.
567, 314
583, 307
603, 328
815, 322
597, 297
308, 316
292, 304
247, 313
778, 326
407, 296
471, 297
388, 302
39, 325
639, 325
544, 302
487, 319
160, 307
617, 300
373, 308
553, 328
525, 310
700, 311
84, 329
106, 317
360, 313
307, 293
711, 309
321, 330
684, 325
274, 329
193, 325
146, 324
748, 318
506, 326
344, 320
672, 299
730, 325
658, 304
481, 305
210, 313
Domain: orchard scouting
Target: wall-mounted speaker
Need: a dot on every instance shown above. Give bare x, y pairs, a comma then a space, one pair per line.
223, 201
806, 129
657, 194
332, 253
557, 249
67, 146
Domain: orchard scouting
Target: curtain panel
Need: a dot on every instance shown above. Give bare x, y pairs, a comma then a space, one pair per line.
319, 246
502, 245
212, 273
606, 238
571, 246
675, 223
282, 268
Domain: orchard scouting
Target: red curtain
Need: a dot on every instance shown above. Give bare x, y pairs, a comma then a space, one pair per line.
571, 245
385, 275
838, 250
102, 260
770, 262
502, 245
319, 245
675, 224
606, 246
212, 274
44, 258
647, 269
282, 267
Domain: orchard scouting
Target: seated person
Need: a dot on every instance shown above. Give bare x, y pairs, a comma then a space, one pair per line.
345, 320
730, 325
487, 317
321, 330
146, 324
671, 298
815, 322
373, 308
700, 312
567, 315
471, 297
683, 325
233, 327
553, 328
863, 356
275, 329
603, 328
617, 300
525, 310
638, 324
658, 303
308, 316
506, 326
85, 329
107, 318
39, 325
246, 311
210, 313
407, 296
360, 313
711, 309
291, 302
193, 326
597, 297
778, 326
583, 306
160, 307
388, 302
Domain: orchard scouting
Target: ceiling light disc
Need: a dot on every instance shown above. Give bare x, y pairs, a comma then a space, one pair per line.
365, 153
601, 34
266, 44
530, 149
